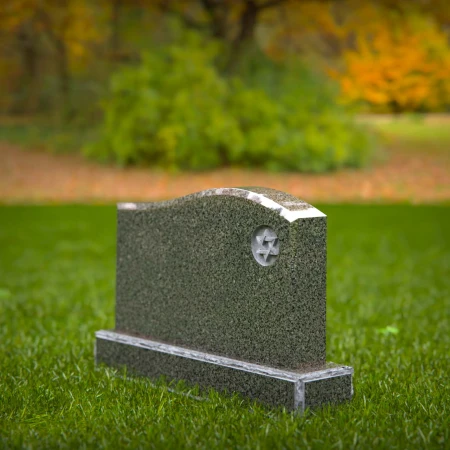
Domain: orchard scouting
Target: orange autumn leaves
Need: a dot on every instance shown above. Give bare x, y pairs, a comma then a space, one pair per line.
398, 66
73, 24
387, 55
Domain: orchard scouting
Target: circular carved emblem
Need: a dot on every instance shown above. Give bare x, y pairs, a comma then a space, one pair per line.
265, 245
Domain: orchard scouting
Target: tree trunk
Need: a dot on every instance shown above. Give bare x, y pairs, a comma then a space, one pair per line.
247, 25
115, 28
64, 78
218, 14
29, 55
62, 65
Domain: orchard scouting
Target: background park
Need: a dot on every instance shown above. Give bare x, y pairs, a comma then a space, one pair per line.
343, 103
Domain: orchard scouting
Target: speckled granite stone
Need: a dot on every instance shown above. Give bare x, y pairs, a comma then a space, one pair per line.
295, 390
236, 273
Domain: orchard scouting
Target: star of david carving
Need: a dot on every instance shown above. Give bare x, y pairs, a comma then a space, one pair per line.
268, 246
265, 245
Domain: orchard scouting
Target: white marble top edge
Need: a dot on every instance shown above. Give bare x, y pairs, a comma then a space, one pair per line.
285, 209
223, 361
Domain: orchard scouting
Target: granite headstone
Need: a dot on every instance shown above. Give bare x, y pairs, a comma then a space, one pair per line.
226, 289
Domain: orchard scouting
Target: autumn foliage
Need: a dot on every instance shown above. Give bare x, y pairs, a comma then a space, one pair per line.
43, 37
398, 65
386, 55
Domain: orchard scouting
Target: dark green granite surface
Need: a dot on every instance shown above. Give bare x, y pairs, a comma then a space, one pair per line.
186, 276
328, 390
226, 289
269, 390
274, 387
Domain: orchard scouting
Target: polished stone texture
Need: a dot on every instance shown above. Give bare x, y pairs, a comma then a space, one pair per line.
238, 274
275, 387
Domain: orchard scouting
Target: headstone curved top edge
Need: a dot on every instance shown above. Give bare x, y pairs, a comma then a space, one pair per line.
288, 206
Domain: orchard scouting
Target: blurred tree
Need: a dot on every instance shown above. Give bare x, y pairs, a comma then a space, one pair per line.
230, 21
389, 54
115, 27
51, 48
121, 14
398, 65
18, 35
64, 28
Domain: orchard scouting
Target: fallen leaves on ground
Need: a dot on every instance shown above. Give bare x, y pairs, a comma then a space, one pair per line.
40, 177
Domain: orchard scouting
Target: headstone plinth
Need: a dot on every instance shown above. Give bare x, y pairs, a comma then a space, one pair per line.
226, 289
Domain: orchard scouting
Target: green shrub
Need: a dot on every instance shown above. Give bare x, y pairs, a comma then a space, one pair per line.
174, 110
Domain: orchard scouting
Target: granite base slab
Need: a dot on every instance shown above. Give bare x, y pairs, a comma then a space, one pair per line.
276, 387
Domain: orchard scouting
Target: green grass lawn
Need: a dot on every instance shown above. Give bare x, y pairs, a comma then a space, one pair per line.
415, 134
388, 312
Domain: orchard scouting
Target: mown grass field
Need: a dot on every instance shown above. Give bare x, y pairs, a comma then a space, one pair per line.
388, 312
413, 133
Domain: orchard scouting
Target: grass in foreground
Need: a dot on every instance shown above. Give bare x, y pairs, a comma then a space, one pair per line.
388, 307
414, 134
